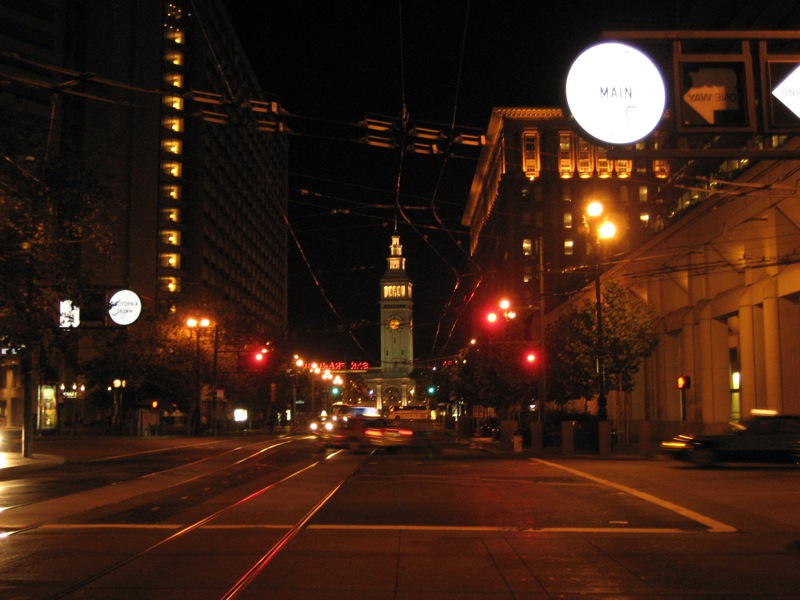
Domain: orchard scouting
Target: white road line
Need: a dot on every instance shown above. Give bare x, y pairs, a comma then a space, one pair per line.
713, 525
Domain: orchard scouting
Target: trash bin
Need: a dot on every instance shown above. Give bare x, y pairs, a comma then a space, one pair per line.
517, 441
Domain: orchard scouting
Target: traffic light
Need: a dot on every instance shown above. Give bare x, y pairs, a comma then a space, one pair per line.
529, 357
684, 382
254, 360
492, 317
260, 357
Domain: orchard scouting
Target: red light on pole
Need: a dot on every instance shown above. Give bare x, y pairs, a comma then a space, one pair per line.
530, 357
492, 317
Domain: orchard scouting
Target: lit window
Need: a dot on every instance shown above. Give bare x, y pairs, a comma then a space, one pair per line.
175, 102
585, 159
569, 247
172, 123
566, 161
170, 260
171, 168
172, 146
173, 215
174, 34
642, 193
174, 79
171, 237
170, 284
530, 154
644, 217
171, 192
566, 193
527, 247
661, 169
567, 220
623, 168
174, 56
604, 166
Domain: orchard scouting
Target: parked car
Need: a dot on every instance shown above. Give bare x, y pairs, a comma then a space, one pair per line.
409, 413
362, 432
764, 439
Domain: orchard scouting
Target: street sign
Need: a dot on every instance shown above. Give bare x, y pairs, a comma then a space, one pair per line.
788, 91
714, 96
784, 97
713, 92
615, 93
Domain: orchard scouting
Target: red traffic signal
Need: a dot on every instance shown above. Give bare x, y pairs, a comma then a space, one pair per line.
254, 360
260, 358
529, 357
684, 382
492, 317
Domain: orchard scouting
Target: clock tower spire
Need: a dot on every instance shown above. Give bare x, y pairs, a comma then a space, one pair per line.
397, 339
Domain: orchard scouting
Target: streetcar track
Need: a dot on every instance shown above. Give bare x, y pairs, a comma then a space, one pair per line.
182, 530
9, 531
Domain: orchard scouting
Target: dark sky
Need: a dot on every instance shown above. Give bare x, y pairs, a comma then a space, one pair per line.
446, 63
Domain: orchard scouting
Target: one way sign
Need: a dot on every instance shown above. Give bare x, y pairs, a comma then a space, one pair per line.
713, 96
713, 92
784, 101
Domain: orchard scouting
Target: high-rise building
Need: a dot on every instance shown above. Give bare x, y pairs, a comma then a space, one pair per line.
156, 100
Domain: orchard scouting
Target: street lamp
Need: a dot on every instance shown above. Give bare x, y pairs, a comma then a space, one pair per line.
197, 325
603, 230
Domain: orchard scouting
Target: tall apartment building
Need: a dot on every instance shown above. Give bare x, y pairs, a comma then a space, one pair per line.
158, 99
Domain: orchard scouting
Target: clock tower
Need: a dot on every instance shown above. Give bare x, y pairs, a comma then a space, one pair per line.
397, 328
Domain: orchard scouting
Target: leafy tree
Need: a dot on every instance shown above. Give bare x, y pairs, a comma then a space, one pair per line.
50, 212
628, 337
493, 375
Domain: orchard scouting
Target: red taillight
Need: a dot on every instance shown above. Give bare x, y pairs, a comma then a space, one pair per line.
405, 432
373, 432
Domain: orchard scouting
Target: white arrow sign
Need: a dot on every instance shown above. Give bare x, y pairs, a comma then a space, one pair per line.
788, 91
712, 90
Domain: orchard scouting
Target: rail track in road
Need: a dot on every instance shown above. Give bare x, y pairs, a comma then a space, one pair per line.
295, 493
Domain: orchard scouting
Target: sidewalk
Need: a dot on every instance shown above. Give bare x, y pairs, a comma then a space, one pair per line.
13, 463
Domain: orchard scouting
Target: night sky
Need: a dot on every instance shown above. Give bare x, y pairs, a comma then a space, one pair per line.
444, 64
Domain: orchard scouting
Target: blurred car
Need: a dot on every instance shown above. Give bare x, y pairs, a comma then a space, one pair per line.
767, 438
347, 410
362, 432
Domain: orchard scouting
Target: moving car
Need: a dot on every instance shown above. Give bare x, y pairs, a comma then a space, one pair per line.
362, 432
766, 438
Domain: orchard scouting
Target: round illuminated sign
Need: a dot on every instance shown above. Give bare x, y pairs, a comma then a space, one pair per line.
124, 307
395, 323
615, 93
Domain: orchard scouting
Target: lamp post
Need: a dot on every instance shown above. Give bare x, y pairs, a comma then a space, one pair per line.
603, 230
197, 325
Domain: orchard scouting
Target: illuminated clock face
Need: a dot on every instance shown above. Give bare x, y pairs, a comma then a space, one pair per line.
394, 323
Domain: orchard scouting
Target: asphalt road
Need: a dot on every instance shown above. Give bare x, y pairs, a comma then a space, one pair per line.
453, 523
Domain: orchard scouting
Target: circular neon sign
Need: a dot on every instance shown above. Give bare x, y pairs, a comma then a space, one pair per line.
615, 93
124, 307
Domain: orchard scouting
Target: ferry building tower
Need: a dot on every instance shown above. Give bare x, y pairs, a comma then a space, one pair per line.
397, 331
